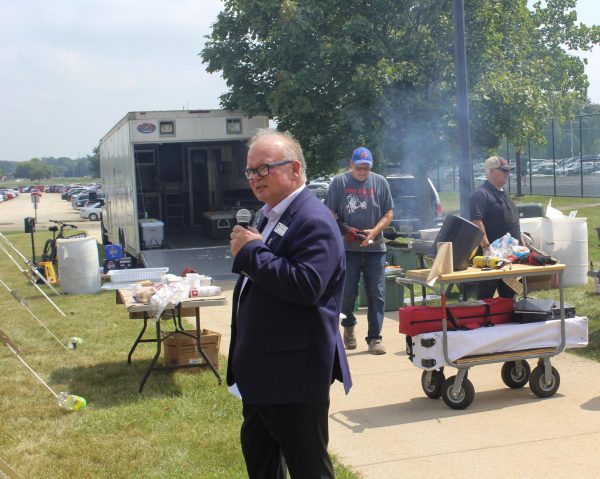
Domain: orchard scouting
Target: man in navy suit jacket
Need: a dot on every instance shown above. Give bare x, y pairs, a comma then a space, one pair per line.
286, 349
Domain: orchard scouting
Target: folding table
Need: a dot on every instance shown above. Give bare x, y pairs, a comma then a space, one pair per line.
187, 307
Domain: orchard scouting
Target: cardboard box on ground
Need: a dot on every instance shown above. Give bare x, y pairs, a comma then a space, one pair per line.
180, 349
539, 283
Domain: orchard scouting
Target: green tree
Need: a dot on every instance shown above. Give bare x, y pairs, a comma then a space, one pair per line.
527, 76
23, 170
94, 162
338, 74
33, 169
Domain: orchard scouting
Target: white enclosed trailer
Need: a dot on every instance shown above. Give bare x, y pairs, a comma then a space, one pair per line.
175, 167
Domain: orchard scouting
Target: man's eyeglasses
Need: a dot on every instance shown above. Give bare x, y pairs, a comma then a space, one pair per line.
362, 168
263, 170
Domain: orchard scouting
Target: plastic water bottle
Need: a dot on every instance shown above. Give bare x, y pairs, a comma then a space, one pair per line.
74, 342
71, 401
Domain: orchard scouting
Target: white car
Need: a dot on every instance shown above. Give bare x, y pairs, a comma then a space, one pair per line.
92, 212
317, 185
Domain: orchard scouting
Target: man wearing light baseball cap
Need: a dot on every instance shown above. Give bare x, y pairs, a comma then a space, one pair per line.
492, 210
362, 203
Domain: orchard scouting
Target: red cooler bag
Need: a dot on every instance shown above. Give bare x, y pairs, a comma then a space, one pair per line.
501, 310
426, 319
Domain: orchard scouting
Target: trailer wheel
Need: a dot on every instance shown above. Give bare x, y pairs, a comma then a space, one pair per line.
538, 384
510, 376
433, 388
465, 395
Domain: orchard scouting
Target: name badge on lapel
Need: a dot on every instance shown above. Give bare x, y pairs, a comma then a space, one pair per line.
280, 229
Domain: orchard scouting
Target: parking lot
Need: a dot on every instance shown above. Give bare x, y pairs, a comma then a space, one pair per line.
50, 206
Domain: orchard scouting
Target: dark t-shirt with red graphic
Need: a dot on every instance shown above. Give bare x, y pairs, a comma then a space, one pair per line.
360, 204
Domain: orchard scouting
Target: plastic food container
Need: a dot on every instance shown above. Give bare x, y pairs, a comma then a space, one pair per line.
136, 274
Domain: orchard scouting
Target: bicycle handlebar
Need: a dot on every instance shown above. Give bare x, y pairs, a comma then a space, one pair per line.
63, 225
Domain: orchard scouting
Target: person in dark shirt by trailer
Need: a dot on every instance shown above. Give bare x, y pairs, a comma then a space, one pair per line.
492, 210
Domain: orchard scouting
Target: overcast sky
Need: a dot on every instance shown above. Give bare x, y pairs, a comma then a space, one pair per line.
71, 69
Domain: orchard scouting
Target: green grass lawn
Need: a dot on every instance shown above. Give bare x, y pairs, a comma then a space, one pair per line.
183, 425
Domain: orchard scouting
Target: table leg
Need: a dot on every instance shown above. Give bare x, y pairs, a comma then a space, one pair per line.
154, 359
423, 290
201, 351
138, 339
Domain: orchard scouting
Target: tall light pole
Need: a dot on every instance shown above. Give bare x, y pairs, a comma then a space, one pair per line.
465, 167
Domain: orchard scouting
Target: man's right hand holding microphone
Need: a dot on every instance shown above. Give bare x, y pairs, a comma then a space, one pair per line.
242, 233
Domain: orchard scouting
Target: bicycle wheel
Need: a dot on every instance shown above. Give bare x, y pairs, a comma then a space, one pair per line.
49, 252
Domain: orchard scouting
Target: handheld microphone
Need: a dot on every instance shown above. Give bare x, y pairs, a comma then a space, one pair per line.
243, 218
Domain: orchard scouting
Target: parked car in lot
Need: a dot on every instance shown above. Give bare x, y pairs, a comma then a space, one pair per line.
318, 185
69, 192
82, 199
319, 189
8, 194
92, 212
409, 216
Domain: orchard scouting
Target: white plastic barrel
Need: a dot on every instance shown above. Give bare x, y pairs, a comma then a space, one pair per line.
533, 226
78, 265
566, 239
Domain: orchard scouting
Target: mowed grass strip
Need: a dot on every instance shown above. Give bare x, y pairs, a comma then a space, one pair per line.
183, 425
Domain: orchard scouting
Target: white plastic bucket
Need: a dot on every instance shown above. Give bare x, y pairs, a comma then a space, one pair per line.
78, 265
533, 226
566, 239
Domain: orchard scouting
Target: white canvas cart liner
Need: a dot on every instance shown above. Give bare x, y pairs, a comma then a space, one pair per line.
499, 338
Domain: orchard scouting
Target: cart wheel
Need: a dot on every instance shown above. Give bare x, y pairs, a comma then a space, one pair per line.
433, 389
463, 399
538, 385
510, 376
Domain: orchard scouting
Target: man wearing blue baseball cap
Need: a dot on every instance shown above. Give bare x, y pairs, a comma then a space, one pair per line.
362, 203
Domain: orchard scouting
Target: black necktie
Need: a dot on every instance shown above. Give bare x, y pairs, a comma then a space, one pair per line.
263, 223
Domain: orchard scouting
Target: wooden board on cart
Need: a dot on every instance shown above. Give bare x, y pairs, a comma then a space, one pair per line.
504, 356
476, 274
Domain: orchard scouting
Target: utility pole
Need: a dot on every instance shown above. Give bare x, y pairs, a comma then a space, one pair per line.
465, 167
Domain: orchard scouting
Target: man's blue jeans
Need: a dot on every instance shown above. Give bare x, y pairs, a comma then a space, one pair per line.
372, 266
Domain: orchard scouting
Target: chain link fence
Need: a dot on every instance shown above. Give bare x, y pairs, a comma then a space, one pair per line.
567, 165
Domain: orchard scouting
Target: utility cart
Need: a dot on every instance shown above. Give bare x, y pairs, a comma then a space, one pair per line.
510, 343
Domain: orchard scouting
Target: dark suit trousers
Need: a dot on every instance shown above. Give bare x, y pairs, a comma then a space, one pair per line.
295, 435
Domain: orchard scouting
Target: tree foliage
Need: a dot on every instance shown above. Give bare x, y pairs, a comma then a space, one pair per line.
33, 169
49, 167
94, 162
342, 73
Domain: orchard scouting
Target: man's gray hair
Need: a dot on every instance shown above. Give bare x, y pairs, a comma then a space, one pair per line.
291, 148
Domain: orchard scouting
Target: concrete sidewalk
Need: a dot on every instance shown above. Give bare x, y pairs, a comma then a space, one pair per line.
387, 428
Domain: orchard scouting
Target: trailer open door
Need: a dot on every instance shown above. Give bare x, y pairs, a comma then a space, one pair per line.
204, 164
